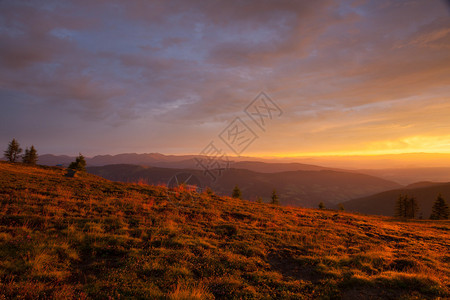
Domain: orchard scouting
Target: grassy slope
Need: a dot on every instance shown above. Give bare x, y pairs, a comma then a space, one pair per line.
89, 237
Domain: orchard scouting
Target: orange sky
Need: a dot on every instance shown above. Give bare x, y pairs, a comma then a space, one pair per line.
350, 77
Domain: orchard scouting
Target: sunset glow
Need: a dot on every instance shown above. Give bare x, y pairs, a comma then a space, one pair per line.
351, 77
225, 149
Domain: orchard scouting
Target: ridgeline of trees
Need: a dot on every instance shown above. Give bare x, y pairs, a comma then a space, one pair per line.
13, 153
30, 157
408, 208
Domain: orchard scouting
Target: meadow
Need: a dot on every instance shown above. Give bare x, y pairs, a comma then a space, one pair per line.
86, 237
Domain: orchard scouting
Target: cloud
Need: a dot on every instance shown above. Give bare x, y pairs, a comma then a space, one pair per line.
336, 67
433, 35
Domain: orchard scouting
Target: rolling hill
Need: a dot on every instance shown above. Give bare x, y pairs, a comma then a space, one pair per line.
384, 203
85, 237
297, 188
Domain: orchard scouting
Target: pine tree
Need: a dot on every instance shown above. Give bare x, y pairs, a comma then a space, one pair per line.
341, 207
79, 164
406, 207
13, 151
26, 155
412, 208
440, 210
321, 205
236, 193
30, 157
259, 199
400, 207
445, 211
274, 198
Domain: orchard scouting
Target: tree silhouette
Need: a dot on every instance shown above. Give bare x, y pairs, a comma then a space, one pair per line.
275, 199
412, 208
440, 210
321, 205
400, 206
13, 151
236, 193
79, 164
30, 157
406, 207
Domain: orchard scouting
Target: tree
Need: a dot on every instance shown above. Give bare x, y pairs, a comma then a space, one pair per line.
236, 193
30, 157
400, 207
275, 199
412, 208
321, 205
79, 164
440, 210
406, 207
13, 151
341, 207
259, 199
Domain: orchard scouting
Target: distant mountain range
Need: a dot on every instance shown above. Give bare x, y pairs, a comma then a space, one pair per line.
384, 203
177, 162
147, 159
371, 191
406, 176
402, 176
298, 188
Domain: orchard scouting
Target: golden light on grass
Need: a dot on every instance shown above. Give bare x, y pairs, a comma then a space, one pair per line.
113, 239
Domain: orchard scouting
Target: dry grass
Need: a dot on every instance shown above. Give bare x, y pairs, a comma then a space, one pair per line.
87, 237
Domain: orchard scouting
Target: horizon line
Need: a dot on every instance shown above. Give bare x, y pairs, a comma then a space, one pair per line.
276, 156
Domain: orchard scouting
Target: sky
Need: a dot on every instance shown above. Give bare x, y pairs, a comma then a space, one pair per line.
296, 78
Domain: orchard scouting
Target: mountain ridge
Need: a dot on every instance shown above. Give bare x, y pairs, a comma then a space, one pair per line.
300, 188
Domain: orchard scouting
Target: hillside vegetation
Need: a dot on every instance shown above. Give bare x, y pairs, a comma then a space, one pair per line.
87, 237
